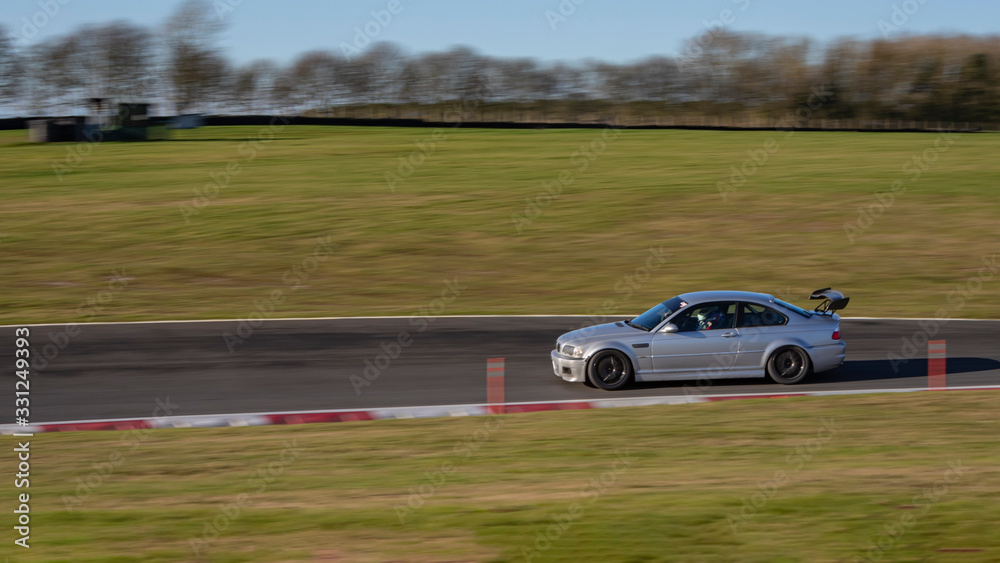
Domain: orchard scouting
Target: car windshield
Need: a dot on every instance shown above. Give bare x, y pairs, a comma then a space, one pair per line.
648, 320
794, 308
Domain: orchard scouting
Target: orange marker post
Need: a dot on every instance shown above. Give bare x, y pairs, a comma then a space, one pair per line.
937, 364
495, 385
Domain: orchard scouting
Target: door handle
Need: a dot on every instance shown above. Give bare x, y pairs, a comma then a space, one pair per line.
729, 335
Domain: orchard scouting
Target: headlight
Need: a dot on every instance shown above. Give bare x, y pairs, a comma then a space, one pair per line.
572, 351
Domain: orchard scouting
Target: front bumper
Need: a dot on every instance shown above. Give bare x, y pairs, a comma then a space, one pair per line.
570, 369
828, 357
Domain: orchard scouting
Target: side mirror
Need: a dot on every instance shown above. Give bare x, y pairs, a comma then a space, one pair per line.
669, 327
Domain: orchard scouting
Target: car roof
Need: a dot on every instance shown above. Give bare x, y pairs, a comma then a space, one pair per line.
703, 296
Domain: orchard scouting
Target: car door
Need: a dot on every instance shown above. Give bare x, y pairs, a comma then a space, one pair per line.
758, 326
705, 344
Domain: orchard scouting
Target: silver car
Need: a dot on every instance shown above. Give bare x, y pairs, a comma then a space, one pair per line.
708, 335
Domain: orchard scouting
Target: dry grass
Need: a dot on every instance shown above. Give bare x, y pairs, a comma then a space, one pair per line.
782, 232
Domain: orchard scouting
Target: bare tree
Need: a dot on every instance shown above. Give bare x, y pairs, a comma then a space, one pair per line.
53, 75
467, 72
282, 94
521, 80
571, 82
382, 66
319, 79
354, 81
410, 80
613, 82
10, 68
251, 87
424, 79
194, 62
117, 59
510, 78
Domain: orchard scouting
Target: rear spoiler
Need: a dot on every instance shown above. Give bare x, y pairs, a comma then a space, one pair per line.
833, 300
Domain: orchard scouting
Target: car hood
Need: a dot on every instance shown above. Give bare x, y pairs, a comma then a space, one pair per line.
599, 332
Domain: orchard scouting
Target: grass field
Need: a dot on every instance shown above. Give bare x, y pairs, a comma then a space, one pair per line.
102, 232
804, 479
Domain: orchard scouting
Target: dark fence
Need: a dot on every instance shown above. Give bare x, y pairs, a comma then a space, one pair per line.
690, 123
717, 124
16, 123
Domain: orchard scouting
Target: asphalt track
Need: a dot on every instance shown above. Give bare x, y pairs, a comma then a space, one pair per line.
126, 370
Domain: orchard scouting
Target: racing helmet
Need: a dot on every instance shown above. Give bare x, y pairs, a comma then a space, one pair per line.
709, 319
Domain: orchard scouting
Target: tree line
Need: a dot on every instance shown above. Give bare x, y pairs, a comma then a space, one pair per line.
181, 68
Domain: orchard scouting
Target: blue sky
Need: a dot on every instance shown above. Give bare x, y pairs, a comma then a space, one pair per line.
616, 31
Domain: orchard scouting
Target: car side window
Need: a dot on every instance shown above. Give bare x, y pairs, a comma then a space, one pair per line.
707, 316
759, 315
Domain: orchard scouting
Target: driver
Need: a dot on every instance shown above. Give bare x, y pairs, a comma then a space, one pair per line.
709, 320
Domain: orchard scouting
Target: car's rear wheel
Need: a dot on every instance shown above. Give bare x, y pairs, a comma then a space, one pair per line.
609, 370
788, 365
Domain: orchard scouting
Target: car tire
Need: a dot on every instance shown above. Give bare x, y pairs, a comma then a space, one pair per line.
609, 370
788, 365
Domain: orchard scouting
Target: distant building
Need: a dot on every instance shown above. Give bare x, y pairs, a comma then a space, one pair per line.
107, 121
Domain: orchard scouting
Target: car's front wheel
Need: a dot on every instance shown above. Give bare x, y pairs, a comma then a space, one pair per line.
610, 370
788, 365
